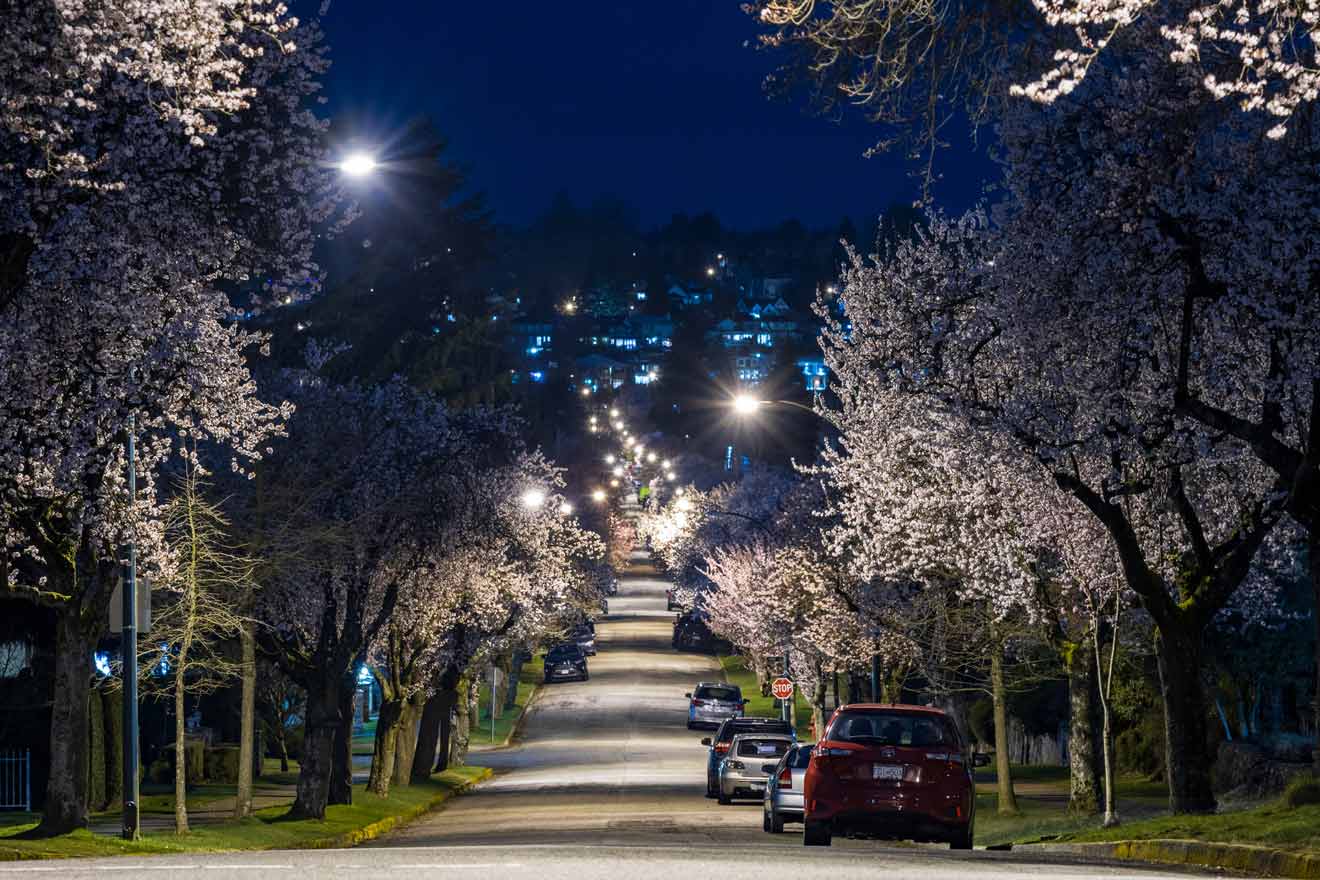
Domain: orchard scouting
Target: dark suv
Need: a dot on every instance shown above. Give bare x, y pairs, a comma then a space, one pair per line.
719, 744
565, 662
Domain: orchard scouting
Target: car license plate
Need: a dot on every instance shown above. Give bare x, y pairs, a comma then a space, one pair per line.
886, 771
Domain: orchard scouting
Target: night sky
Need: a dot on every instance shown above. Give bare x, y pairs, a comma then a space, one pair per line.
659, 104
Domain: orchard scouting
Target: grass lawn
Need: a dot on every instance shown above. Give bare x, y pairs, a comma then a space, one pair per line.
528, 680
736, 672
267, 830
1273, 825
364, 743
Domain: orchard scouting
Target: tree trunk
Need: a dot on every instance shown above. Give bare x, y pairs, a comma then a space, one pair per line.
247, 723
180, 751
838, 694
1187, 757
112, 704
1003, 774
386, 747
66, 787
341, 767
458, 739
515, 674
1083, 783
407, 747
449, 706
821, 694
428, 738
96, 752
320, 727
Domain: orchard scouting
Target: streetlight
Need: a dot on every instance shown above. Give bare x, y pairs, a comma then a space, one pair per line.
680, 491
614, 483
618, 470
684, 504
598, 496
533, 498
614, 413
609, 459
357, 164
669, 475
665, 464
566, 509
586, 392
746, 404
651, 456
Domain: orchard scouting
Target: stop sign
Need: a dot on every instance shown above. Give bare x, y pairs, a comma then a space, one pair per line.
782, 688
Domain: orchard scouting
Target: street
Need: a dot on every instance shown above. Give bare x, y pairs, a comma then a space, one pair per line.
606, 782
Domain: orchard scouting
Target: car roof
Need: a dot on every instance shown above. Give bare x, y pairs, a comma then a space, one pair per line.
752, 734
702, 684
895, 707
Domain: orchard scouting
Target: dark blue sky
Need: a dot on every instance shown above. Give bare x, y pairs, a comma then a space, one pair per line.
657, 103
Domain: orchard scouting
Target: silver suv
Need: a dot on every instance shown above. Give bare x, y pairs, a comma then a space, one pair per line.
714, 702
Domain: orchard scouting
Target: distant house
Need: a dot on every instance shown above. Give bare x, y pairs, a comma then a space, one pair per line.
815, 375
684, 296
600, 371
529, 338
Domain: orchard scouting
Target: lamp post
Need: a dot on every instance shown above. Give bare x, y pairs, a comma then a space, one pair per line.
128, 647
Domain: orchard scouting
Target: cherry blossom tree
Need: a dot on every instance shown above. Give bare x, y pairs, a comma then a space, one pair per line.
366, 473
153, 154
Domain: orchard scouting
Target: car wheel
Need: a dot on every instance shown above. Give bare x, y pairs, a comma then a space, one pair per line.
723, 799
815, 834
776, 824
765, 821
962, 839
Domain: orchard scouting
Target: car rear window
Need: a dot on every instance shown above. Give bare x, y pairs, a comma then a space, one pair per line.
715, 692
762, 748
563, 654
892, 729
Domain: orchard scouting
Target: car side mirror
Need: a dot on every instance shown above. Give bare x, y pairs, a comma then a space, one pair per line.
768, 769
980, 760
705, 740
688, 695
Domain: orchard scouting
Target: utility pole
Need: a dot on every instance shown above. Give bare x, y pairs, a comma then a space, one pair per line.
128, 646
788, 704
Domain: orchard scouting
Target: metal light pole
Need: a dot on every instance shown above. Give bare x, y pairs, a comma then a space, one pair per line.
128, 646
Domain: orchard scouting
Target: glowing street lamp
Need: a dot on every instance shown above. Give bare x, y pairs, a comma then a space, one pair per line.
598, 496
614, 483
665, 464
618, 470
680, 491
684, 504
651, 456
357, 164
614, 413
533, 498
566, 509
586, 392
609, 459
669, 475
746, 404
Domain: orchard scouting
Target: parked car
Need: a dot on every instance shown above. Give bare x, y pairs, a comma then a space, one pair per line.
783, 790
671, 600
566, 662
751, 758
893, 772
692, 634
584, 636
719, 744
713, 702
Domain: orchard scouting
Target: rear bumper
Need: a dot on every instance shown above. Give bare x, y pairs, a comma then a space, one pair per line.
785, 802
892, 826
575, 675
714, 717
742, 786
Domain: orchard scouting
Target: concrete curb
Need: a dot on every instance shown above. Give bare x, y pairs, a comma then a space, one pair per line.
1258, 861
516, 730
389, 823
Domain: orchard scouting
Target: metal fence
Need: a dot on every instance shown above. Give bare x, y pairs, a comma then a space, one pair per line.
16, 779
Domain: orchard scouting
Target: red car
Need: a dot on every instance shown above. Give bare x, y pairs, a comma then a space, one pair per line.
894, 772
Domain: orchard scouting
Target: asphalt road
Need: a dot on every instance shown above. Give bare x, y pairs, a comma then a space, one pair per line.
606, 782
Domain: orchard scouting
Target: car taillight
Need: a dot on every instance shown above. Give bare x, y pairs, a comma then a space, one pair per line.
698, 702
786, 777
721, 748
737, 765
834, 753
